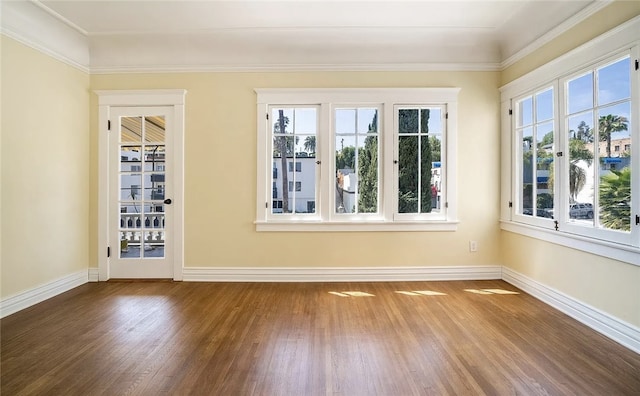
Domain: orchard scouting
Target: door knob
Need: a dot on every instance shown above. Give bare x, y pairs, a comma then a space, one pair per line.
167, 201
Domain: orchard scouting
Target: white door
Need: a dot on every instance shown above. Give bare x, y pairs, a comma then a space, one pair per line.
140, 204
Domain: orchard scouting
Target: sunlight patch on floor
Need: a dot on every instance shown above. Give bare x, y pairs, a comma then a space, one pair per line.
420, 293
352, 294
490, 291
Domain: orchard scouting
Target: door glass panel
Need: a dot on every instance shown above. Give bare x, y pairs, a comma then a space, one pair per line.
130, 244
131, 131
153, 244
130, 159
154, 129
142, 186
154, 158
130, 187
154, 216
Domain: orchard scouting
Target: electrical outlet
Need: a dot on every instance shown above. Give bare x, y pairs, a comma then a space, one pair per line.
473, 246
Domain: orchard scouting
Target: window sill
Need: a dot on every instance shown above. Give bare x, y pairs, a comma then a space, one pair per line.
353, 226
616, 251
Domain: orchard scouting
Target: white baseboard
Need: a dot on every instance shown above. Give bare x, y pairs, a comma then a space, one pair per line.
341, 274
610, 326
41, 293
94, 274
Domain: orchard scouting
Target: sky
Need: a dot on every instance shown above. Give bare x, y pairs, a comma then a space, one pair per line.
611, 95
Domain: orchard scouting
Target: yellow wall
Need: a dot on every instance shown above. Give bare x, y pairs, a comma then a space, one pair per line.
45, 175
605, 284
220, 174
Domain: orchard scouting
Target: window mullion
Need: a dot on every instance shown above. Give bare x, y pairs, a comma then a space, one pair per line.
325, 148
388, 163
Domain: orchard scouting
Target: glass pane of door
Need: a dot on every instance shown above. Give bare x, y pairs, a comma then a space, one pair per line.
142, 186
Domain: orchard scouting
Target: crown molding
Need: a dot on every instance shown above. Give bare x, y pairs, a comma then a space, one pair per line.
555, 32
34, 27
396, 67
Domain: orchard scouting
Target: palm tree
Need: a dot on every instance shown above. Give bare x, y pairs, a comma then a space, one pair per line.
282, 147
310, 144
610, 124
577, 175
615, 200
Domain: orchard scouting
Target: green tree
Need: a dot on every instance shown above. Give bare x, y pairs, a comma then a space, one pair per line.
368, 171
346, 158
615, 200
414, 170
578, 151
583, 133
609, 124
310, 144
547, 139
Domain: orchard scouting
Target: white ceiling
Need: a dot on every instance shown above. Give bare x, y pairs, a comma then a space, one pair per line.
266, 34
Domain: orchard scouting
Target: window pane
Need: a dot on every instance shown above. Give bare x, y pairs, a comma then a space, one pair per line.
524, 112
154, 129
544, 105
154, 157
368, 175
425, 174
345, 121
281, 120
416, 149
580, 94
408, 174
130, 244
305, 121
356, 164
544, 170
293, 167
131, 130
615, 167
581, 168
408, 121
435, 143
130, 159
527, 171
614, 82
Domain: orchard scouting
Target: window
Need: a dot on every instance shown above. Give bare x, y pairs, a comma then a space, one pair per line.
298, 164
534, 134
572, 126
298, 186
420, 132
599, 102
293, 131
357, 159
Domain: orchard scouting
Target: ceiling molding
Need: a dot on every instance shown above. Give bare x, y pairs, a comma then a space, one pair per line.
574, 20
28, 24
400, 67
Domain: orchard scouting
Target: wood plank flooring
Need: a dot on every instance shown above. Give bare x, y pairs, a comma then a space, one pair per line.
400, 338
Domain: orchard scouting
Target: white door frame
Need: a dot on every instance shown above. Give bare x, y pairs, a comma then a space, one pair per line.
174, 98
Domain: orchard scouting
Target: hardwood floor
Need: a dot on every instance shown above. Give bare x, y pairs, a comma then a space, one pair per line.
400, 338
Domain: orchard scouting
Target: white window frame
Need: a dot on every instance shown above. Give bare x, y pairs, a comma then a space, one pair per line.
355, 217
517, 166
442, 214
328, 100
600, 51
